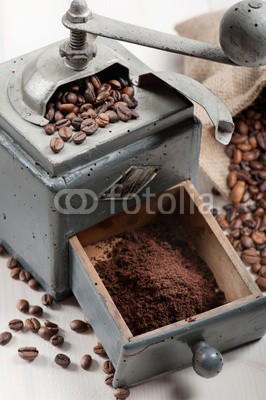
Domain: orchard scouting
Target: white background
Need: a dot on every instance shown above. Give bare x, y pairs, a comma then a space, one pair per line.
24, 26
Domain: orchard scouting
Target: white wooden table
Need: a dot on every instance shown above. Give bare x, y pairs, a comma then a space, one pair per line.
25, 26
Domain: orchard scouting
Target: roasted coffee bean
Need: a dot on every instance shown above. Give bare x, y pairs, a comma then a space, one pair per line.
65, 133
89, 126
238, 191
75, 88
89, 94
247, 242
135, 115
95, 81
37, 311
50, 114
237, 156
109, 380
49, 129
81, 100
76, 123
263, 257
120, 104
5, 338
242, 128
47, 299
15, 273
116, 95
58, 116
86, 107
79, 326
244, 147
57, 340
250, 256
71, 98
24, 276
33, 284
121, 393
115, 84
128, 101
105, 87
108, 367
129, 90
261, 138
263, 271
62, 360
112, 115
124, 82
62, 123
45, 333
66, 108
255, 268
50, 324
57, 144
86, 362
99, 350
102, 97
33, 325
102, 120
259, 237
231, 179
12, 263
28, 353
102, 108
79, 137
16, 325
222, 222
124, 113
231, 215
261, 282
71, 116
236, 234
23, 305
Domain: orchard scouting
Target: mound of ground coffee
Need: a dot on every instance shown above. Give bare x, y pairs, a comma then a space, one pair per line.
156, 280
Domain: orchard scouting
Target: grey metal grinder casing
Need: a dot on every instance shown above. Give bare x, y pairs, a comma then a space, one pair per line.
165, 141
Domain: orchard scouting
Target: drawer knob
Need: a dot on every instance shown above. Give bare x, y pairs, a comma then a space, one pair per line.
207, 361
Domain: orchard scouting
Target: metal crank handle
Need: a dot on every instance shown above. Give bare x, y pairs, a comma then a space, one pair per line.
242, 34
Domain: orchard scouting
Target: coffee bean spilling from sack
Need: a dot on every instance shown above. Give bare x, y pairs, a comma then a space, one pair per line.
245, 217
87, 106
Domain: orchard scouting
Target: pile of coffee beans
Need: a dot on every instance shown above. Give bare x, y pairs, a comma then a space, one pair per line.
245, 217
76, 111
17, 272
50, 331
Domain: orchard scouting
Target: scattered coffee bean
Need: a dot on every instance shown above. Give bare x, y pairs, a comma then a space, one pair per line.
23, 305
57, 340
50, 324
15, 273
45, 333
12, 263
262, 271
78, 326
37, 311
255, 268
62, 360
247, 242
109, 380
108, 367
65, 133
33, 284
86, 362
5, 338
47, 299
32, 325
24, 276
16, 325
102, 120
28, 353
250, 256
79, 137
49, 129
56, 144
99, 350
121, 393
76, 123
89, 126
124, 113
261, 282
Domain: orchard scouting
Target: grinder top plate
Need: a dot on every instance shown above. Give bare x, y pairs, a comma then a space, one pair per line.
159, 107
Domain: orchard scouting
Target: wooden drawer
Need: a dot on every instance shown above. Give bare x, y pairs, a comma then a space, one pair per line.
171, 347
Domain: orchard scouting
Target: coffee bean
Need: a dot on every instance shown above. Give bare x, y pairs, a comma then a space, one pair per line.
115, 84
62, 123
24, 276
33, 284
231, 179
49, 129
57, 340
242, 128
102, 120
23, 305
247, 242
71, 98
78, 326
108, 367
66, 108
12, 263
16, 325
86, 362
5, 338
15, 273
76, 123
32, 324
261, 282
222, 221
71, 115
250, 256
259, 237
50, 114
105, 87
102, 108
81, 100
89, 94
89, 126
50, 324
79, 137
58, 116
37, 311
62, 360
57, 144
102, 97
255, 268
124, 113
65, 133
238, 191
86, 107
261, 138
28, 353
129, 90
112, 115
263, 271
121, 393
95, 81
47, 299
109, 380
45, 333
99, 350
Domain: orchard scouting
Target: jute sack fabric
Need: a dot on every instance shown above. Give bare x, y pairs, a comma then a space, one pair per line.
238, 87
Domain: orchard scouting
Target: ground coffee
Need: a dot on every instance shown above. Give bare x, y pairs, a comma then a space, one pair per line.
156, 280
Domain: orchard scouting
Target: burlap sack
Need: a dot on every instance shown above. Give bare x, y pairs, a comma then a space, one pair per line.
237, 87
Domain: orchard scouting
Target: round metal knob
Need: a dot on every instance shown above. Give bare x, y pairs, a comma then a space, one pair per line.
243, 33
207, 361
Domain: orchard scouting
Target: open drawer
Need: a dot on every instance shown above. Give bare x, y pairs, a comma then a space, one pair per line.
171, 347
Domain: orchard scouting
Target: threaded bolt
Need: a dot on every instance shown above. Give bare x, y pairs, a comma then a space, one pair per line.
78, 40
